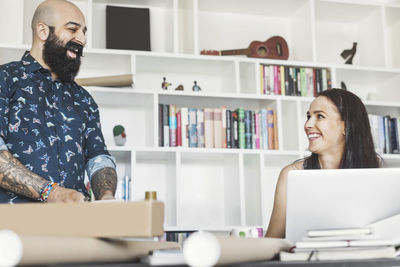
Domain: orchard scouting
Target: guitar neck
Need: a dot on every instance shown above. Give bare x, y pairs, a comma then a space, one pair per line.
234, 52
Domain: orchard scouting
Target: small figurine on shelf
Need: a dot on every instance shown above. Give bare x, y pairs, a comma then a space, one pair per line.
165, 84
119, 135
348, 54
179, 88
195, 87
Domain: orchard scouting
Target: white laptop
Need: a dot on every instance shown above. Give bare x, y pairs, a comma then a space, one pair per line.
340, 198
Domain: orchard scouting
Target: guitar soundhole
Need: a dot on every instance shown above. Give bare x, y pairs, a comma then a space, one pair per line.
262, 51
279, 49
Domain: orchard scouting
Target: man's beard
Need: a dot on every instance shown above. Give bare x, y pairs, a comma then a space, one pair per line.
55, 56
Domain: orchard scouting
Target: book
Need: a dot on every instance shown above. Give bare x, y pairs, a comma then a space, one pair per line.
340, 231
247, 130
241, 129
185, 127
172, 125
209, 127
178, 129
192, 125
223, 114
200, 128
235, 133
166, 124
229, 136
160, 126
217, 128
344, 254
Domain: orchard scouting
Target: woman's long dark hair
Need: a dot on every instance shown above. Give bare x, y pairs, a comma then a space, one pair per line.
359, 150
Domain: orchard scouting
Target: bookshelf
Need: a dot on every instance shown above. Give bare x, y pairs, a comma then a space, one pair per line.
220, 189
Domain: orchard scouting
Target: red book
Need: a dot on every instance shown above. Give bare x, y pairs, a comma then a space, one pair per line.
178, 129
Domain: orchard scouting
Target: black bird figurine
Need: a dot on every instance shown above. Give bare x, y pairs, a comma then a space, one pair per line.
348, 54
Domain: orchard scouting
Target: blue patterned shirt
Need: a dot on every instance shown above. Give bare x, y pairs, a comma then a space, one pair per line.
50, 127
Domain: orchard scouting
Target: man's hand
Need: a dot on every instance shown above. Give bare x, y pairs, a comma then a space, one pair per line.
62, 194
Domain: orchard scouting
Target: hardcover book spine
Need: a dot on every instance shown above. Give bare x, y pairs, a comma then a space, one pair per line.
264, 129
235, 132
276, 145
271, 131
209, 127
185, 127
192, 127
257, 128
172, 125
223, 114
282, 79
253, 129
241, 131
200, 128
217, 128
229, 139
166, 124
160, 125
247, 129
178, 129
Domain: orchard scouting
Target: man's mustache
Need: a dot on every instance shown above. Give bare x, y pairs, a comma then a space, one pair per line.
77, 48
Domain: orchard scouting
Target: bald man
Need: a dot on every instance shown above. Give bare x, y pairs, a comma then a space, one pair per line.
49, 126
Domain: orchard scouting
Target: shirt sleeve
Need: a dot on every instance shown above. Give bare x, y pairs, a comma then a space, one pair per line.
99, 162
94, 144
4, 107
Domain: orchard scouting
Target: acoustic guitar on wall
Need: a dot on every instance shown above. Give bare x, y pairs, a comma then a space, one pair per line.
274, 48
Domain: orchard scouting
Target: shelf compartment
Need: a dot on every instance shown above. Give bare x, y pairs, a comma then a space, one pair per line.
161, 22
11, 14
248, 71
271, 167
289, 125
212, 75
371, 84
252, 190
100, 64
393, 36
208, 190
133, 111
227, 24
383, 110
340, 24
156, 171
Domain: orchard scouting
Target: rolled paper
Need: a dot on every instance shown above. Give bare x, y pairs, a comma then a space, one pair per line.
206, 249
10, 248
115, 80
58, 249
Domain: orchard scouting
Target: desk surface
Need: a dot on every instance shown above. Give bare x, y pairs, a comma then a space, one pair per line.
353, 263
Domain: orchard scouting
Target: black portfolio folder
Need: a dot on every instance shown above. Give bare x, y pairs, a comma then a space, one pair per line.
128, 28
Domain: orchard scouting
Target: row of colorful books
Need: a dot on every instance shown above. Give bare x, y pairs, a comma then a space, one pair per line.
294, 81
217, 127
385, 133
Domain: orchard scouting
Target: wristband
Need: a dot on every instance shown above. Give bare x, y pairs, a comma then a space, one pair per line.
45, 191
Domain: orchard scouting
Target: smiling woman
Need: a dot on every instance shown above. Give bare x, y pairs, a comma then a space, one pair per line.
339, 136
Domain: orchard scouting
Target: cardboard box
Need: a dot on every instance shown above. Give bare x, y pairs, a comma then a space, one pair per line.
90, 219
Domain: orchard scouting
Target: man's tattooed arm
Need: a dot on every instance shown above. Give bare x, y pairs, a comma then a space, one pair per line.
16, 178
104, 183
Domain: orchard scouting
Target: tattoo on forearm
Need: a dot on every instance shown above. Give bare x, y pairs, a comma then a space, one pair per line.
16, 178
104, 180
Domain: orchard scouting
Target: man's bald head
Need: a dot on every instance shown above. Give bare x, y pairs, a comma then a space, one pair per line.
47, 12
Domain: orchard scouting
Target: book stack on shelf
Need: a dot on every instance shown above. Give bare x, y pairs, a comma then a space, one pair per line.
341, 244
294, 81
386, 134
217, 127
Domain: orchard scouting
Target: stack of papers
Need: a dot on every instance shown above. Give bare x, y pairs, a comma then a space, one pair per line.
164, 257
341, 244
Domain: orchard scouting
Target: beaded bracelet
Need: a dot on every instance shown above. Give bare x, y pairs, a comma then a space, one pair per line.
45, 191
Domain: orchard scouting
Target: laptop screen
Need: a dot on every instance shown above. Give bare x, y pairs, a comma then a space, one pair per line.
339, 198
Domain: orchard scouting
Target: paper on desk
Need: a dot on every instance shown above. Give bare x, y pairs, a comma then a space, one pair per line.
52, 249
116, 80
206, 249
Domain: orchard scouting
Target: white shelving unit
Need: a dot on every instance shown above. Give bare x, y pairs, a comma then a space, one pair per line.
219, 189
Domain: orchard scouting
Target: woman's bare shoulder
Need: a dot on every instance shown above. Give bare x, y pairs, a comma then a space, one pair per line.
298, 165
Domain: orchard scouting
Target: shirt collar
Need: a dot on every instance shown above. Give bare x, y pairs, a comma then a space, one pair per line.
30, 63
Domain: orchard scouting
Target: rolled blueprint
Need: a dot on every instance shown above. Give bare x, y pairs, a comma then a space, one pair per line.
206, 249
125, 80
33, 250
